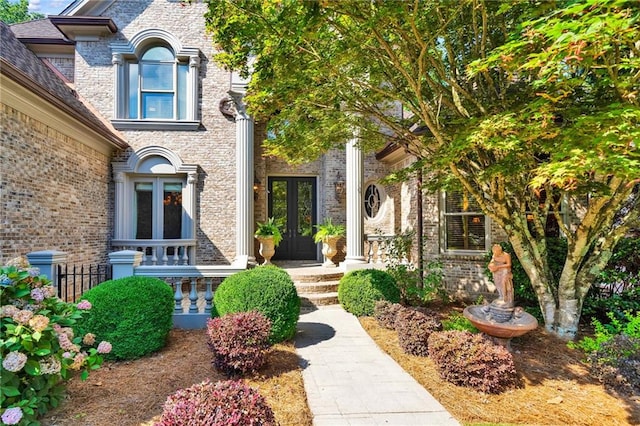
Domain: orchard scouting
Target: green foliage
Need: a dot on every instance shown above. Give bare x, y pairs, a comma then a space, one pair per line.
457, 321
537, 97
472, 360
268, 290
630, 326
358, 291
222, 403
239, 342
617, 364
269, 229
134, 313
40, 348
328, 229
12, 12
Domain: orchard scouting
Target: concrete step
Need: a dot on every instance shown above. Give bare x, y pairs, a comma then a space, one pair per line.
317, 287
318, 299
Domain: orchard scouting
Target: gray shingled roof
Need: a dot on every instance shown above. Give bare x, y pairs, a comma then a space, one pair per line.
23, 66
38, 29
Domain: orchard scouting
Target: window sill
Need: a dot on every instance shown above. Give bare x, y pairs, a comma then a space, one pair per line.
124, 124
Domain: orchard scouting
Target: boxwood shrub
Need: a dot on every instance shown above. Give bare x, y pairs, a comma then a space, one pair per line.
135, 314
266, 289
358, 291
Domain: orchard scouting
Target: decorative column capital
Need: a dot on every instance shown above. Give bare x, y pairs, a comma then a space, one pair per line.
117, 58
233, 107
194, 61
118, 177
192, 177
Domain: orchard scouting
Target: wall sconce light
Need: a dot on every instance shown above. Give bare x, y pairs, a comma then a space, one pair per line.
256, 187
339, 187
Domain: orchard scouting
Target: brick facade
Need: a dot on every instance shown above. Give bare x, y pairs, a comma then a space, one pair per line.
54, 192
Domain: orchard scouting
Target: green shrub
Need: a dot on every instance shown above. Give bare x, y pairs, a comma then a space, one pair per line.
266, 289
135, 314
225, 403
457, 321
359, 290
39, 350
472, 360
629, 325
239, 342
385, 313
414, 328
617, 364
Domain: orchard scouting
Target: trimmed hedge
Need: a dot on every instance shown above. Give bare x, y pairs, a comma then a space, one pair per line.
266, 289
472, 360
358, 291
414, 327
134, 314
223, 403
239, 342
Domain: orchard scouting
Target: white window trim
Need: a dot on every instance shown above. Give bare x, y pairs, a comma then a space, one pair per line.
122, 52
382, 211
127, 173
443, 231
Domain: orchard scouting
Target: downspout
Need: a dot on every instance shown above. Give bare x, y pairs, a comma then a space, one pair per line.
419, 225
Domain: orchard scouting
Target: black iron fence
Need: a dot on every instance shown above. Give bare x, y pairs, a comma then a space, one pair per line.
75, 280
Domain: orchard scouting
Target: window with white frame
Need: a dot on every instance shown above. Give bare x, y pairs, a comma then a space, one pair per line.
156, 83
465, 227
157, 208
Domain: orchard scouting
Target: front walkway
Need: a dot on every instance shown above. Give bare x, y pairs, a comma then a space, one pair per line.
350, 381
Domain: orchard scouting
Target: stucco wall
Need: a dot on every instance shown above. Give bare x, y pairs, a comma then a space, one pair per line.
53, 190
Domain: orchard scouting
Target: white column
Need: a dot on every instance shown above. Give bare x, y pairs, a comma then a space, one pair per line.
120, 232
244, 181
355, 222
192, 103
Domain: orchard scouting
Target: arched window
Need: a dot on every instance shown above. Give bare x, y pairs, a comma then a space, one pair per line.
156, 83
157, 86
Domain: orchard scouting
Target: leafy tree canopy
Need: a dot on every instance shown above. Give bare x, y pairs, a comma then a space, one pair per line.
15, 12
525, 106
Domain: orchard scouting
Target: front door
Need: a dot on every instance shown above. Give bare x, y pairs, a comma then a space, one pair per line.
292, 202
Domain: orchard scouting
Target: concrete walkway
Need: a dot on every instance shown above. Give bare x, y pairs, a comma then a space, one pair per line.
350, 381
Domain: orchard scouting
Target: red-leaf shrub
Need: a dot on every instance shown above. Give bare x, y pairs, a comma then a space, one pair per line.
414, 327
223, 403
385, 313
472, 360
239, 342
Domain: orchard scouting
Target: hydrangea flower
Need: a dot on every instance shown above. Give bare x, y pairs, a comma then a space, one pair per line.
104, 347
38, 294
23, 316
39, 322
89, 339
33, 272
5, 281
50, 365
12, 416
14, 361
8, 311
84, 305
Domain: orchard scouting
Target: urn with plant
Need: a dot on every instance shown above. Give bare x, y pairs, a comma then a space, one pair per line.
269, 236
329, 234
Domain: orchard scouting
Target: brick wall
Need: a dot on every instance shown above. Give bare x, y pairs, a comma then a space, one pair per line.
53, 192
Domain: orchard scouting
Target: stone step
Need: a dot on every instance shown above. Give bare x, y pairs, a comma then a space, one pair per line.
314, 278
318, 299
317, 287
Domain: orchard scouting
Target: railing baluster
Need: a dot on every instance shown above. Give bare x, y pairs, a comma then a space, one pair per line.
175, 255
178, 297
154, 255
193, 296
164, 250
208, 296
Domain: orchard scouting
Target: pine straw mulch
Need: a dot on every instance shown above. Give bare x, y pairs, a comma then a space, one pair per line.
556, 388
132, 393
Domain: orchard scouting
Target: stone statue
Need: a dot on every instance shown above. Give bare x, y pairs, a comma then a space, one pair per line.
500, 266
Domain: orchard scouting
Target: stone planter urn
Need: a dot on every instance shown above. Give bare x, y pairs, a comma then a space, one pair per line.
329, 250
267, 249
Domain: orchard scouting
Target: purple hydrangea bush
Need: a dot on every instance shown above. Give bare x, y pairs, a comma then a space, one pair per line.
225, 403
39, 349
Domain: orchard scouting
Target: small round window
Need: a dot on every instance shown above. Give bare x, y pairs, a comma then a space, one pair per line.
372, 201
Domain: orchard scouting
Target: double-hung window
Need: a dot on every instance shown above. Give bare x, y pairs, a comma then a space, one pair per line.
156, 83
157, 86
465, 227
